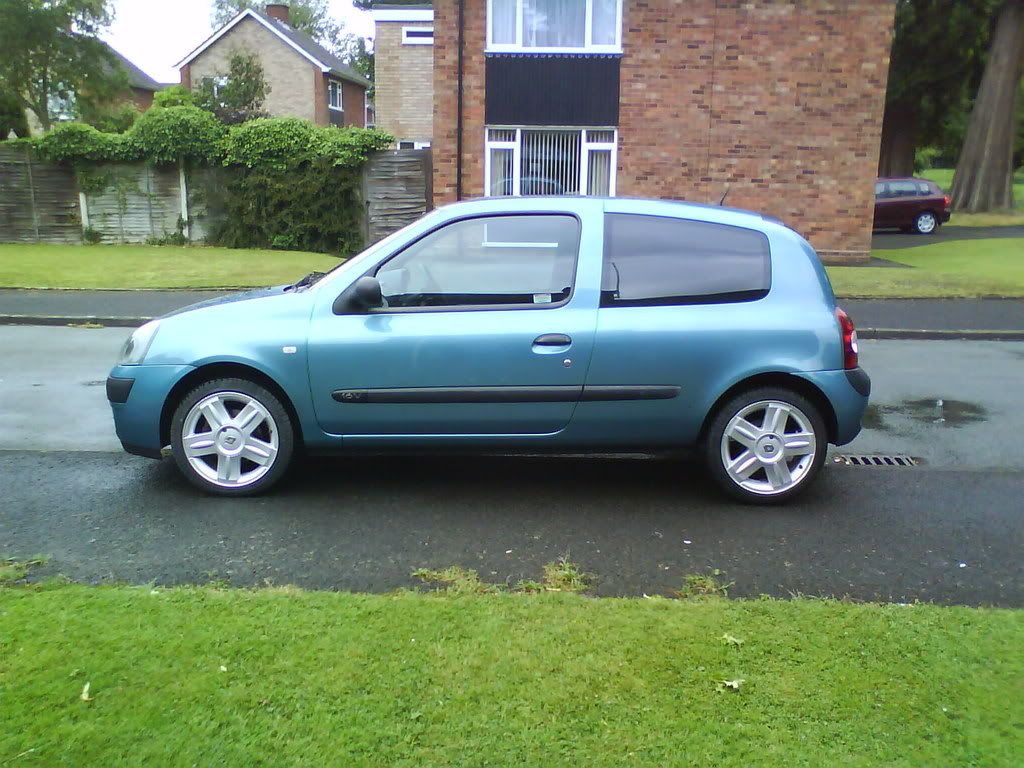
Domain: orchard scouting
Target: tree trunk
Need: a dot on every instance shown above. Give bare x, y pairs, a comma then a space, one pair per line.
984, 174
899, 141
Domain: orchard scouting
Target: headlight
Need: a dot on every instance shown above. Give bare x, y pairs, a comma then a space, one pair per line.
134, 350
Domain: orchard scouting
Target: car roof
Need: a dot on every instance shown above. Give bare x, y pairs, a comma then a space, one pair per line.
645, 206
903, 178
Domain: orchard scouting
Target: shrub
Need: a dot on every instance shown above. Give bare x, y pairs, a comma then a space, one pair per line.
68, 142
171, 134
173, 96
277, 143
111, 118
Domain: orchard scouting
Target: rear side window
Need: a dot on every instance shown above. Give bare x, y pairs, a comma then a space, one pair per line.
656, 260
903, 188
925, 188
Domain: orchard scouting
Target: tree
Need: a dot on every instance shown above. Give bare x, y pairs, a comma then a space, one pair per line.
984, 173
936, 55
237, 96
12, 117
310, 16
51, 54
359, 57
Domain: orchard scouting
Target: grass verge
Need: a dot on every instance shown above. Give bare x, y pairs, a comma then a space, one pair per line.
944, 178
962, 268
142, 676
151, 266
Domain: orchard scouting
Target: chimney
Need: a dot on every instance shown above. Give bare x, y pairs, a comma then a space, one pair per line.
279, 11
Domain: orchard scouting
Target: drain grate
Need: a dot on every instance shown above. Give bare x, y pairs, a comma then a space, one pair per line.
876, 460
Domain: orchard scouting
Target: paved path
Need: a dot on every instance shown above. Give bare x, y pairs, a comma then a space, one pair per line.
947, 531
891, 240
131, 308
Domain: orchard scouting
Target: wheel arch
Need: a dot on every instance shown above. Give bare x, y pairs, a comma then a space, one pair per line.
791, 381
223, 370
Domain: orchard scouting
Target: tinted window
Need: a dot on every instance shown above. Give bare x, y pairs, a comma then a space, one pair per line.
652, 260
498, 260
903, 188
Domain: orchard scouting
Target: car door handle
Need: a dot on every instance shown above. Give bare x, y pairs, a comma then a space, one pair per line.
552, 340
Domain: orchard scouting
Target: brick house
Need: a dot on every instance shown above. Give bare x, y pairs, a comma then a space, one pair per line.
305, 79
403, 51
777, 102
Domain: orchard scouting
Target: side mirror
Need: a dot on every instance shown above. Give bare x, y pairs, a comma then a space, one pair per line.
365, 293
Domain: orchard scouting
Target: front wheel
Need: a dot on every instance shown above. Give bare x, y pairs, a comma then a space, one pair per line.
232, 437
766, 445
926, 223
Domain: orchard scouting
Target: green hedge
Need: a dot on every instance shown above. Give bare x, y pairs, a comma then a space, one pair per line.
291, 184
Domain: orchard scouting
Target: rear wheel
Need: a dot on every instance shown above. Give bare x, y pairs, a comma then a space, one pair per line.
926, 223
766, 445
232, 437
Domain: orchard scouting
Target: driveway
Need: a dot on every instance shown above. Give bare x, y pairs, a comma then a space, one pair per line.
891, 240
948, 530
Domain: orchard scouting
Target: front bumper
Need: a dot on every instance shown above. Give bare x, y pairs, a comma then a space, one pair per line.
137, 394
848, 393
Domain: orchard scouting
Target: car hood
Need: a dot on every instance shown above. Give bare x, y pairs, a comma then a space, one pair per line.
231, 298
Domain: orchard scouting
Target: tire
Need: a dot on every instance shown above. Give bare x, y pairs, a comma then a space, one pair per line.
251, 437
767, 479
926, 223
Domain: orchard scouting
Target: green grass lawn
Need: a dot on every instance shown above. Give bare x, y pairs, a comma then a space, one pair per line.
205, 676
964, 268
944, 178
149, 266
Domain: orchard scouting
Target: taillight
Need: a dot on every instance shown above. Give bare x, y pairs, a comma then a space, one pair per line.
849, 339
946, 200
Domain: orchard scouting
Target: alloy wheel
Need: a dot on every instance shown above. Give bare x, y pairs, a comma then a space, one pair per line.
926, 223
768, 447
230, 439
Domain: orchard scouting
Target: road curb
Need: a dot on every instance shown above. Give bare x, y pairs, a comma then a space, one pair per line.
905, 334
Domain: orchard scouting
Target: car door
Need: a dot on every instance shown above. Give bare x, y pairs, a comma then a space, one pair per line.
483, 334
906, 203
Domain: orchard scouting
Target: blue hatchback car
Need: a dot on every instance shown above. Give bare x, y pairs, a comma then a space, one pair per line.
515, 324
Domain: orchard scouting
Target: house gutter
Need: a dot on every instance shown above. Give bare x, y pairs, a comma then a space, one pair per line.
458, 118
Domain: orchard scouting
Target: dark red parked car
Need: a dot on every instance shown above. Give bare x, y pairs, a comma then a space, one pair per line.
913, 205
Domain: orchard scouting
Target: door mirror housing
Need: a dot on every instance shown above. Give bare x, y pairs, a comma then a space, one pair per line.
364, 294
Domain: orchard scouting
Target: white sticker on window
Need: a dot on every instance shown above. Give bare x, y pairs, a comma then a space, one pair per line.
542, 298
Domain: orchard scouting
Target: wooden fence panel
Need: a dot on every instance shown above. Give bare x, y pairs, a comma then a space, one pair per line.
38, 201
396, 190
129, 203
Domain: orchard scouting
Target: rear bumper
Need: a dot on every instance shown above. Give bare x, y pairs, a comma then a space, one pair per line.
848, 393
137, 394
944, 216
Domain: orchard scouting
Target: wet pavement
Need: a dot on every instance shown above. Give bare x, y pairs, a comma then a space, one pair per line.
949, 530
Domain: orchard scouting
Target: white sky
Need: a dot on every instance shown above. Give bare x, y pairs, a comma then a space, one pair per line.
156, 34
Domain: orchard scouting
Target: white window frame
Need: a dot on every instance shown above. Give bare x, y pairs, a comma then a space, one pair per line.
587, 47
586, 147
415, 40
341, 97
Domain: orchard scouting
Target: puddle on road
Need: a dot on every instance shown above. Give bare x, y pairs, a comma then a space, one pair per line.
937, 411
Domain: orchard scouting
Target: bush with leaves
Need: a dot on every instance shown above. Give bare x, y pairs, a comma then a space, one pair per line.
277, 143
238, 95
12, 117
70, 142
178, 134
173, 96
110, 118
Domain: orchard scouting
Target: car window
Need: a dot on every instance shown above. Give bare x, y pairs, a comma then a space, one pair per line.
924, 188
487, 261
903, 188
654, 260
880, 189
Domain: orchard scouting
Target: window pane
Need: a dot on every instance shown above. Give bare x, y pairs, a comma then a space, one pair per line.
550, 163
604, 22
652, 260
903, 188
503, 21
554, 23
599, 172
497, 260
501, 172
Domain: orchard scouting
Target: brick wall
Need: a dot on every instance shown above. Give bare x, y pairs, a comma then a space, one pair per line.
778, 100
403, 80
289, 74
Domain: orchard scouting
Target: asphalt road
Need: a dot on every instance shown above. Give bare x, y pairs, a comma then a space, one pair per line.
948, 531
